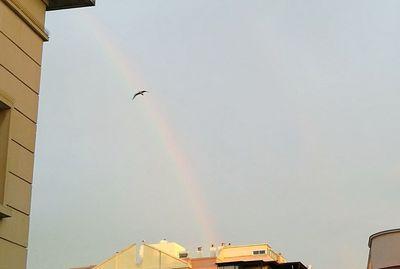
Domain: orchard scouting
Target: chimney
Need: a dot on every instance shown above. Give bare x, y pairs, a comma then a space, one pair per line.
213, 251
199, 252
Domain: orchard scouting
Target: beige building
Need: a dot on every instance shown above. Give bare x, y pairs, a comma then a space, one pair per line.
170, 255
146, 257
22, 34
384, 250
264, 252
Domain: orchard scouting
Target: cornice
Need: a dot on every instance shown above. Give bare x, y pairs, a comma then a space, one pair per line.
24, 15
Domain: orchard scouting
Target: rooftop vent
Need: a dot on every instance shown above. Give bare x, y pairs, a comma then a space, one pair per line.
213, 251
199, 252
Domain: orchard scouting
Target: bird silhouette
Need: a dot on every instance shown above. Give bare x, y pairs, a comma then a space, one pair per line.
138, 93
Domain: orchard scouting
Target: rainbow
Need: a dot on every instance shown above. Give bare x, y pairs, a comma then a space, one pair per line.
183, 169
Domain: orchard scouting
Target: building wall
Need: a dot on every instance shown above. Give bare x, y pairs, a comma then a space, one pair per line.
171, 248
248, 253
22, 34
384, 250
150, 258
21, 40
203, 263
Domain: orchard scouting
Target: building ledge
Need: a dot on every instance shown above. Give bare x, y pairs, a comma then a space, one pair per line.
64, 4
382, 233
24, 15
5, 212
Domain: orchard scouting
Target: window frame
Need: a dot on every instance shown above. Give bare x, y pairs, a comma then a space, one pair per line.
6, 110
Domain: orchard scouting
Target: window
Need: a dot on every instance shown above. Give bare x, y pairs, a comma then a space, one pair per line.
258, 252
228, 267
5, 113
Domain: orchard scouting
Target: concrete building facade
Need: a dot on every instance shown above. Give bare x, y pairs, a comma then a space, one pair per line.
384, 250
22, 34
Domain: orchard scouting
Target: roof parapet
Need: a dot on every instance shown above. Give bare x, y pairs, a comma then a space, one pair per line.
65, 4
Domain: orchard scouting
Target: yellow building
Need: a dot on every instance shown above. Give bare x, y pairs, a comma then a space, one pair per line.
264, 252
146, 257
22, 34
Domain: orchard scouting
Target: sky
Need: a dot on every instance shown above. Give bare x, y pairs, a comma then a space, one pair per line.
265, 121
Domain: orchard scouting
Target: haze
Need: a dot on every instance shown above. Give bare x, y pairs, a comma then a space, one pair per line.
265, 121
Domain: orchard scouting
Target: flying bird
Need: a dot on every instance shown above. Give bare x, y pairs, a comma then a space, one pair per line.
138, 93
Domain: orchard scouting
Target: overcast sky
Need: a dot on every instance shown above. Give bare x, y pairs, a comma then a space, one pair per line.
265, 121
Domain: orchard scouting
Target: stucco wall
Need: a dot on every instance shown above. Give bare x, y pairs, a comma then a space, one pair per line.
20, 65
384, 250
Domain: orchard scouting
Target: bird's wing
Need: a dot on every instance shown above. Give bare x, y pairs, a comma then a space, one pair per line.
139, 92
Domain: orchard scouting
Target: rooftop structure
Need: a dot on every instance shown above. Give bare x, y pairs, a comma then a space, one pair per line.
256, 252
171, 248
168, 255
144, 257
384, 250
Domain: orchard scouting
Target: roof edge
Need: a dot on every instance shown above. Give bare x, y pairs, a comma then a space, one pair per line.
397, 230
66, 4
